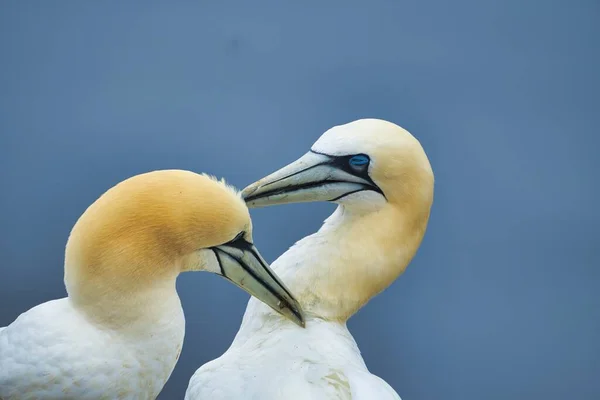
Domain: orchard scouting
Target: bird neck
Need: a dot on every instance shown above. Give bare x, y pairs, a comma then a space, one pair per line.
122, 303
354, 256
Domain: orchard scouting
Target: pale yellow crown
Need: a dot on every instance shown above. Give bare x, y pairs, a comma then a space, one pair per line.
145, 226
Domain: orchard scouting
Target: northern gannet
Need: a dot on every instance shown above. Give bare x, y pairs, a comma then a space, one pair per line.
119, 333
382, 181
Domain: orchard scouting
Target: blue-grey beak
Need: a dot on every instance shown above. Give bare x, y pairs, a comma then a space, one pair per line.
313, 177
241, 263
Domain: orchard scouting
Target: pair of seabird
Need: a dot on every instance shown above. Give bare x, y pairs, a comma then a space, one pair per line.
119, 332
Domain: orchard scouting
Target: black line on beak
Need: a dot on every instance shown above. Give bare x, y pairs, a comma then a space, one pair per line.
348, 194
264, 284
242, 244
293, 188
269, 272
343, 163
301, 171
339, 162
219, 261
248, 270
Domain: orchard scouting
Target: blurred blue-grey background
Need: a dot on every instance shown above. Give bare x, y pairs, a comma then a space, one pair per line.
503, 298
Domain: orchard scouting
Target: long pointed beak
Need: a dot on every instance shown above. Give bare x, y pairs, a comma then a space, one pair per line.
242, 264
313, 177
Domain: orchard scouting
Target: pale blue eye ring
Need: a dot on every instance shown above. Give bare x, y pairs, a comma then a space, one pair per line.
359, 160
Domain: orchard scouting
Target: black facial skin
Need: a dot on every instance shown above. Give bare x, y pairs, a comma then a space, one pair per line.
239, 242
339, 162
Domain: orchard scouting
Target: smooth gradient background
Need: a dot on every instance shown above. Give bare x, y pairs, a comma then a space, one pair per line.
502, 300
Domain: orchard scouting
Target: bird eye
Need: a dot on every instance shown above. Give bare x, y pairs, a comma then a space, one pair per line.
359, 160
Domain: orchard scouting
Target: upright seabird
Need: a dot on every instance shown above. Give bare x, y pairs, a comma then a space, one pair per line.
382, 181
119, 332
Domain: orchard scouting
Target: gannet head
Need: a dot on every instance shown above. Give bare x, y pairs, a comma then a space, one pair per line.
380, 176
365, 164
149, 228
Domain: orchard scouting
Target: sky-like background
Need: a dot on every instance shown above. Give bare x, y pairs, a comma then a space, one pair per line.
503, 298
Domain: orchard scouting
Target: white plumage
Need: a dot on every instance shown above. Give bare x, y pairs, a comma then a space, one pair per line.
381, 178
53, 352
271, 359
119, 333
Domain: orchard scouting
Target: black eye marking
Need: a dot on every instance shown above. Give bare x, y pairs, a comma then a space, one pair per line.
240, 242
354, 164
239, 236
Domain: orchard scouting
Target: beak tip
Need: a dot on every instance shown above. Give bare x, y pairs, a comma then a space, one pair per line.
293, 313
300, 321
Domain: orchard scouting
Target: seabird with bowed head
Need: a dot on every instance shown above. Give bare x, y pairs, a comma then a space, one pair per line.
119, 333
382, 181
